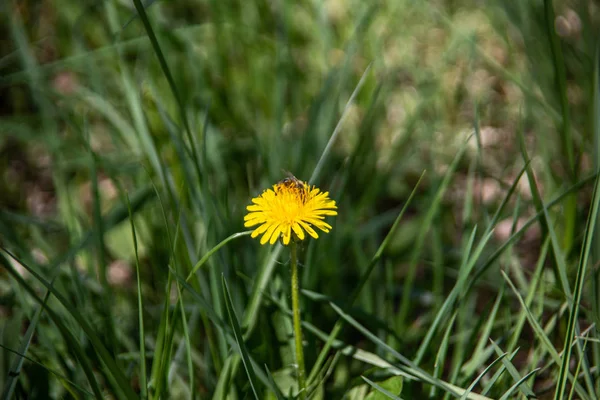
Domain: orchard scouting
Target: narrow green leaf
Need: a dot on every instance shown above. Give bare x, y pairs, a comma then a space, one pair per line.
67, 335
572, 326
60, 376
361, 283
546, 223
518, 384
515, 236
166, 70
419, 373
440, 357
422, 236
481, 375
595, 116
478, 354
325, 154
492, 381
15, 368
239, 337
274, 388
212, 251
140, 301
387, 394
112, 367
539, 331
513, 372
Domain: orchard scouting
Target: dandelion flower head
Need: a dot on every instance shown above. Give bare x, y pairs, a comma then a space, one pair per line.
290, 208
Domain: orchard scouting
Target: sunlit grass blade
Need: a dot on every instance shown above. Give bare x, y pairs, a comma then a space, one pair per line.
496, 377
523, 387
325, 154
239, 337
440, 357
479, 354
224, 383
531, 294
518, 384
578, 368
481, 375
212, 251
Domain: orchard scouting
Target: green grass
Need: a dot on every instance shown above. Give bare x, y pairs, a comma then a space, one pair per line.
459, 140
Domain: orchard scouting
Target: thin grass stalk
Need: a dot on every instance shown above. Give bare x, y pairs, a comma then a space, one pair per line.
570, 205
140, 304
596, 246
572, 326
297, 322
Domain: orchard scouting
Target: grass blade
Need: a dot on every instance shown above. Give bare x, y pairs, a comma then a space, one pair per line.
274, 386
513, 372
380, 389
481, 375
67, 335
419, 373
212, 251
541, 334
112, 367
338, 325
239, 337
166, 71
572, 326
517, 384
15, 368
140, 304
420, 241
595, 115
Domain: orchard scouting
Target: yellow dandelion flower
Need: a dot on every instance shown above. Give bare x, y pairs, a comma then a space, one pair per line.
291, 206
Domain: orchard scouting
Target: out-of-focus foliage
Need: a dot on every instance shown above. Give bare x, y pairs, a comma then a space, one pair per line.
171, 120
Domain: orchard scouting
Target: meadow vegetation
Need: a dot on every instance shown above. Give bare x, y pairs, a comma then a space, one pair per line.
459, 139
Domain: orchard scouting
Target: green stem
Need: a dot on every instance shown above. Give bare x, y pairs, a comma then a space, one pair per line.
297, 324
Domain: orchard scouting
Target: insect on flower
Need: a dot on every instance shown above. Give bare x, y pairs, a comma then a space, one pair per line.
292, 181
290, 208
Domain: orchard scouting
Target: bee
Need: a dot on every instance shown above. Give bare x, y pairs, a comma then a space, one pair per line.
292, 182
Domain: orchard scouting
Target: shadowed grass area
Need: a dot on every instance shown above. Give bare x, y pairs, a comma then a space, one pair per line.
459, 141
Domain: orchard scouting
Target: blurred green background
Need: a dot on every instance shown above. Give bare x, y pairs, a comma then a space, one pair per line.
133, 135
